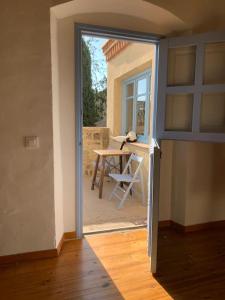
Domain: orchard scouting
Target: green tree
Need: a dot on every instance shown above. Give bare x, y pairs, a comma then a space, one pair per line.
100, 98
90, 114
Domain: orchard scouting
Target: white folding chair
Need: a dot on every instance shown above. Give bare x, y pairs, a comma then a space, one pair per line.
128, 178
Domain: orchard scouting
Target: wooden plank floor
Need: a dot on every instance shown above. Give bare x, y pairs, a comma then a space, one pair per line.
197, 261
115, 267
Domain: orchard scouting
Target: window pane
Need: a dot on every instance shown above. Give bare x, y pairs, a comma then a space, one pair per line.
140, 121
129, 115
214, 64
181, 66
213, 113
179, 109
141, 98
130, 89
142, 86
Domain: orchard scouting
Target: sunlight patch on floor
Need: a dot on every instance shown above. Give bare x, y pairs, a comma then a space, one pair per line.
126, 250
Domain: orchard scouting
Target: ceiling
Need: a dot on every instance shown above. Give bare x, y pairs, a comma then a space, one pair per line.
164, 21
163, 16
198, 15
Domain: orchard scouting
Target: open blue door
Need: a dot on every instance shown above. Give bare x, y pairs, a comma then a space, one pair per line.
189, 104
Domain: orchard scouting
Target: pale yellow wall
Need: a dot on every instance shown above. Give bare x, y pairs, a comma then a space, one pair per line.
132, 60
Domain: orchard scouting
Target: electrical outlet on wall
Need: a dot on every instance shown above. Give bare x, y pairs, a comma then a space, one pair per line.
31, 142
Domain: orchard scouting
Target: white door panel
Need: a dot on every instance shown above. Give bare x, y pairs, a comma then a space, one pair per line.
191, 93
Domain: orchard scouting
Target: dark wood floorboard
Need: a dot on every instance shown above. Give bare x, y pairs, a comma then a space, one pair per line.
115, 267
197, 262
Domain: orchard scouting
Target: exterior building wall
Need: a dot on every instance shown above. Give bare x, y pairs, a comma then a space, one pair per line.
135, 58
94, 138
132, 60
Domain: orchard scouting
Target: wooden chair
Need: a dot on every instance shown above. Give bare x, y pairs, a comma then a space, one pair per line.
128, 178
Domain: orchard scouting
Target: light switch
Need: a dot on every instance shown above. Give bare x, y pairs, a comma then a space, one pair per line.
31, 142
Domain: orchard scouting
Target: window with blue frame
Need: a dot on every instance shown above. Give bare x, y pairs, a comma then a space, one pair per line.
136, 103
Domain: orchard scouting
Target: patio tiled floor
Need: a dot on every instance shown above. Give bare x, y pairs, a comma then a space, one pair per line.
102, 214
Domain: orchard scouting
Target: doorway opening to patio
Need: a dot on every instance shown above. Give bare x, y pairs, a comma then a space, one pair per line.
117, 94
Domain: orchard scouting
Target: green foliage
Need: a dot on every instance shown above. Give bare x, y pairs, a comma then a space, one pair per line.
94, 98
90, 115
100, 99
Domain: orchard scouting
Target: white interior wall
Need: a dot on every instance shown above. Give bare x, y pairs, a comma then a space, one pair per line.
67, 119
199, 183
198, 194
179, 182
57, 138
26, 175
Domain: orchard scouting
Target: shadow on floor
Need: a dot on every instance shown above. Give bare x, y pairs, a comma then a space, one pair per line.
76, 274
192, 265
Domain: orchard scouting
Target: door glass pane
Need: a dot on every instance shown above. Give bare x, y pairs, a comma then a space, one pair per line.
142, 86
140, 118
214, 64
129, 115
181, 66
213, 113
141, 98
179, 109
130, 89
